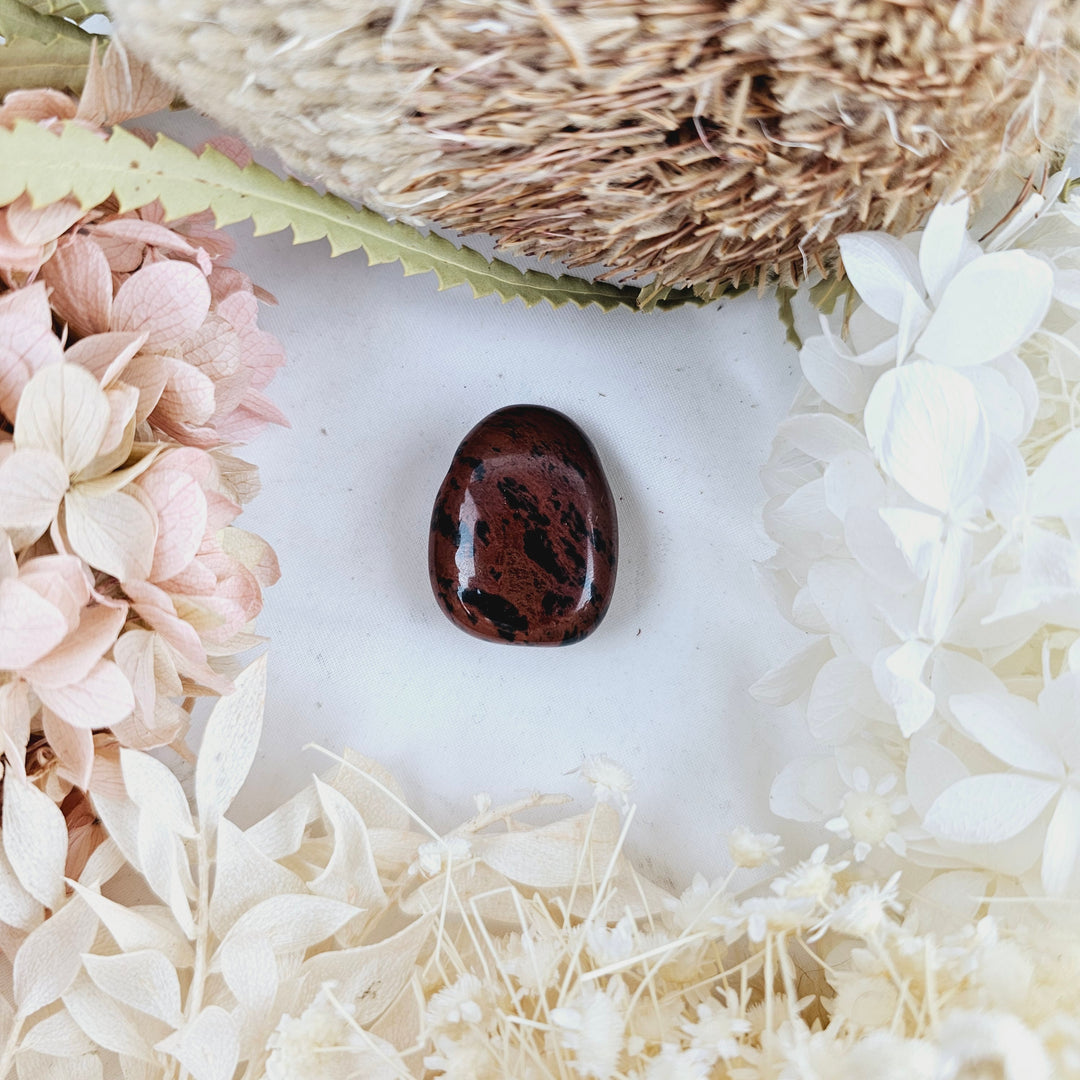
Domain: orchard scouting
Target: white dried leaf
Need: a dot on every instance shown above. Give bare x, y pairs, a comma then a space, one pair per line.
840, 381
229, 744
156, 791
926, 426
35, 839
111, 1025
1053, 488
381, 804
945, 246
292, 922
898, 676
104, 864
281, 832
350, 874
48, 960
822, 436
121, 820
991, 306
783, 684
842, 698
989, 808
145, 979
58, 1036
551, 856
161, 855
371, 975
133, 929
17, 907
33, 1065
881, 268
243, 877
208, 1047
250, 971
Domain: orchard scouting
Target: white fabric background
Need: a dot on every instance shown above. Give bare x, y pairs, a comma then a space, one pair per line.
385, 375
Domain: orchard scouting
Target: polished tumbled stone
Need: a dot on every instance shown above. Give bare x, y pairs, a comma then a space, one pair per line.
524, 537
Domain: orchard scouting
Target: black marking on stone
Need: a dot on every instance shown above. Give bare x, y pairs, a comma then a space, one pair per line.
574, 522
503, 615
571, 636
472, 462
598, 542
483, 531
496, 575
536, 450
538, 547
573, 553
518, 497
554, 602
444, 524
453, 482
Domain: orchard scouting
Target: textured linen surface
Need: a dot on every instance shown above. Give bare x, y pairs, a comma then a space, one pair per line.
384, 377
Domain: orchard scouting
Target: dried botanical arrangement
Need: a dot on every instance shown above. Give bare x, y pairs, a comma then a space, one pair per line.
704, 143
131, 366
922, 499
341, 937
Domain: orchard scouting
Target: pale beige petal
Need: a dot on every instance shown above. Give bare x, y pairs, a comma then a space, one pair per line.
29, 625
81, 283
147, 373
25, 348
215, 350
120, 435
157, 609
101, 699
30, 225
32, 483
74, 746
63, 409
105, 355
222, 511
114, 481
83, 647
180, 505
254, 552
114, 533
169, 300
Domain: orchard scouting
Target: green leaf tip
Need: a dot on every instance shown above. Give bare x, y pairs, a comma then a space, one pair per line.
80, 164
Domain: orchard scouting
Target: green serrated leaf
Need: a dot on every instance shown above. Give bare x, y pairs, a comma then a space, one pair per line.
19, 22
28, 63
784, 295
81, 164
78, 10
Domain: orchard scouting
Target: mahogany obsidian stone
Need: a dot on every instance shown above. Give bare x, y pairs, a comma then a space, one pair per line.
524, 539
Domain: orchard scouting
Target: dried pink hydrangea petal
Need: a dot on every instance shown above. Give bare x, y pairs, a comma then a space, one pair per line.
169, 301
81, 282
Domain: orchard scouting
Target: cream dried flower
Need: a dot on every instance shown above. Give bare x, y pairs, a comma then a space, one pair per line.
749, 849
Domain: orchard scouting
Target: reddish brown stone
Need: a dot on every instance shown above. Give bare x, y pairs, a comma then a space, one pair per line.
524, 539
